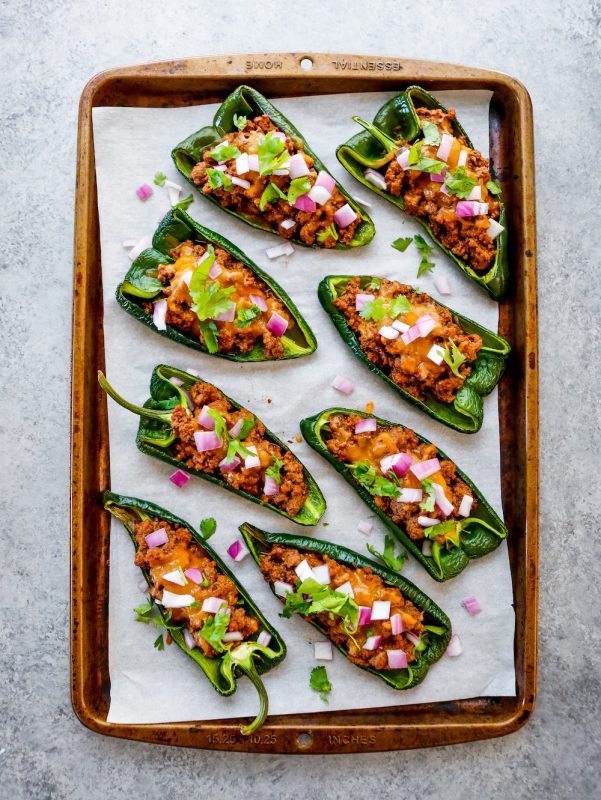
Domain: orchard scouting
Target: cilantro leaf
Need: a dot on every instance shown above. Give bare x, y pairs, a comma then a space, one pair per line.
366, 475
145, 609
185, 203
235, 446
374, 283
320, 682
240, 121
322, 599
459, 183
431, 133
220, 425
298, 187
272, 153
453, 357
493, 187
422, 163
218, 179
159, 178
225, 151
212, 301
270, 193
424, 248
428, 489
273, 470
245, 316
402, 243
159, 642
248, 423
389, 558
210, 335
373, 309
207, 526
400, 305
329, 231
201, 273
215, 628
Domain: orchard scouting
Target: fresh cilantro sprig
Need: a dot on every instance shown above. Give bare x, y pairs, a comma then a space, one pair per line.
298, 187
210, 335
144, 613
212, 301
431, 133
272, 154
327, 232
402, 243
235, 446
224, 152
320, 682
378, 308
366, 475
322, 599
245, 316
425, 249
207, 526
493, 187
240, 121
219, 180
215, 628
274, 470
394, 562
159, 179
270, 193
459, 183
453, 357
423, 163
428, 490
185, 203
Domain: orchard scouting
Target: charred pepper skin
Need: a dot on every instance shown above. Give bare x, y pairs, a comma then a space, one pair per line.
477, 535
397, 122
155, 437
466, 413
246, 101
223, 670
176, 227
259, 542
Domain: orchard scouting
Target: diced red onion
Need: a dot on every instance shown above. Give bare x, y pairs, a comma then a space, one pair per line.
413, 638
343, 385
319, 194
172, 600
396, 624
157, 538
194, 574
253, 162
244, 184
206, 440
364, 616
323, 651
264, 639
277, 324
242, 164
186, 276
192, 371
397, 659
229, 466
402, 158
284, 249
258, 301
411, 335
363, 202
465, 505
238, 550
362, 299
376, 179
366, 425
282, 589
345, 588
427, 522
321, 573
372, 642
442, 502
176, 381
469, 208
388, 332
438, 178
325, 179
251, 462
283, 169
402, 327
426, 324
278, 135
287, 224
399, 463
471, 605
444, 189
159, 314
173, 190
455, 648
442, 284
365, 527
175, 576
212, 605
188, 639
297, 166
436, 354
215, 271
427, 548
221, 167
304, 203
462, 159
234, 431
227, 316
476, 193
144, 191
303, 570
179, 478
494, 228
205, 419
380, 609
444, 149
411, 496
344, 216
271, 487
423, 469
233, 636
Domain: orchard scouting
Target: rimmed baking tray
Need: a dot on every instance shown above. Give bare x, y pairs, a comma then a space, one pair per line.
195, 81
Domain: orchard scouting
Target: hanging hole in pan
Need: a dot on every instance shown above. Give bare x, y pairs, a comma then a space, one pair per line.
306, 63
304, 740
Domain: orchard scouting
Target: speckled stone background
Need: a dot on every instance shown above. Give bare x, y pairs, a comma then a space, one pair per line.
48, 51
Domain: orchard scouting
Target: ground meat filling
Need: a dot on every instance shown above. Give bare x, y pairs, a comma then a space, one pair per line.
292, 488
312, 227
232, 336
279, 564
410, 365
181, 553
370, 448
466, 237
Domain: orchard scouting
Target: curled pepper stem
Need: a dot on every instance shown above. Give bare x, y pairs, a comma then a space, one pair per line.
242, 657
149, 413
389, 144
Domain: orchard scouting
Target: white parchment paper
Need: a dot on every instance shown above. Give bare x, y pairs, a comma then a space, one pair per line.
130, 146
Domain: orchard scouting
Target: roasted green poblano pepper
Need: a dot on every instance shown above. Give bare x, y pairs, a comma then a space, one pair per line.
141, 286
437, 626
156, 437
466, 412
248, 657
454, 542
395, 125
246, 103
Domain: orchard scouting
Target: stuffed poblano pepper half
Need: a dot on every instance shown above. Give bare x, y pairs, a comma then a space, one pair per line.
253, 163
436, 359
189, 423
195, 598
420, 495
416, 155
377, 619
198, 289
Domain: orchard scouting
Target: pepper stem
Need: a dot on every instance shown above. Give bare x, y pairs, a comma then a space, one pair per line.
149, 413
389, 144
242, 657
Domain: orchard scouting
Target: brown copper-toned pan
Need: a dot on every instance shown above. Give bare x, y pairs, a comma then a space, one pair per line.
204, 80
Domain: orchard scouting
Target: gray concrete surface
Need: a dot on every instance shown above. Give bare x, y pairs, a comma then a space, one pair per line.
48, 51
